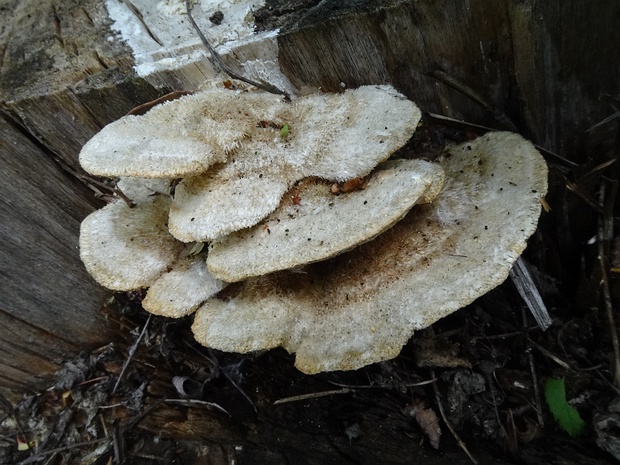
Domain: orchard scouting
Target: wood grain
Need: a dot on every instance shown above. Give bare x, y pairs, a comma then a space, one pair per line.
61, 81
546, 67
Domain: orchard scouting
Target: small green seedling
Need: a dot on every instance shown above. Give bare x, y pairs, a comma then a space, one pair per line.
565, 414
284, 131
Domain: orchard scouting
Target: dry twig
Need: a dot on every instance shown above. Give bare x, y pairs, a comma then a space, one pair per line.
216, 365
530, 357
216, 57
522, 279
370, 386
197, 403
132, 351
39, 456
461, 444
313, 395
448, 121
550, 355
140, 18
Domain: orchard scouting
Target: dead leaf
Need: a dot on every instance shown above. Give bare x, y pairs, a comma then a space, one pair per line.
426, 419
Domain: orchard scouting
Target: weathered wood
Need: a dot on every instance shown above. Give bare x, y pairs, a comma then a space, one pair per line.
64, 74
61, 81
545, 65
48, 303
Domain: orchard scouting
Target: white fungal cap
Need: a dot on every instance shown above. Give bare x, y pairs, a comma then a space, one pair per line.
312, 224
142, 189
334, 136
220, 202
179, 292
362, 306
344, 136
181, 137
128, 248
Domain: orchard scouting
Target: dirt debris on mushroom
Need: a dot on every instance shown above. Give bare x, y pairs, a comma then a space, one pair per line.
362, 306
235, 158
332, 136
311, 224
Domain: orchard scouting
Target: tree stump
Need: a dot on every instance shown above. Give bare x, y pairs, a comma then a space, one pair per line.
545, 70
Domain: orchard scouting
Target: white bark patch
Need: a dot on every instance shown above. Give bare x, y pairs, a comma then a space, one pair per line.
163, 40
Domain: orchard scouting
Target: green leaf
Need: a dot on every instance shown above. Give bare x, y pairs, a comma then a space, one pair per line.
565, 414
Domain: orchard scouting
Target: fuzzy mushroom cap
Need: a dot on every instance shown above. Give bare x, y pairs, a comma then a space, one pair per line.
333, 136
330, 134
128, 248
312, 224
221, 201
362, 306
181, 137
180, 291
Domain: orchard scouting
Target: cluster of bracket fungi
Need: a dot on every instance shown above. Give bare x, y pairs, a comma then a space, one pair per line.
340, 277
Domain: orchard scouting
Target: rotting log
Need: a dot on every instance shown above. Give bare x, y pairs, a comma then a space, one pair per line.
542, 69
546, 68
48, 304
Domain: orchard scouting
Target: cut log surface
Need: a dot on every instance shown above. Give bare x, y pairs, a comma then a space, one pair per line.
66, 73
542, 68
61, 80
70, 67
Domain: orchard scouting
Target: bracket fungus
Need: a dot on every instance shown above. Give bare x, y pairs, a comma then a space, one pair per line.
126, 248
362, 306
341, 279
213, 139
311, 224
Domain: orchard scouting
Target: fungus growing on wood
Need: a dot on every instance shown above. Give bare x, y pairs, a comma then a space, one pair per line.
362, 306
180, 291
311, 224
376, 267
332, 136
179, 138
235, 157
127, 248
